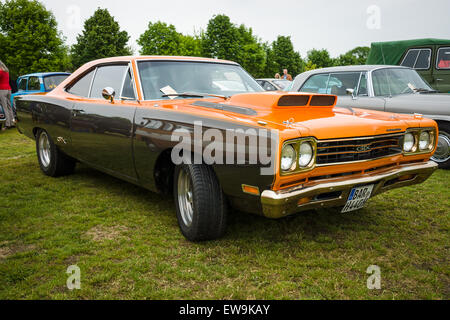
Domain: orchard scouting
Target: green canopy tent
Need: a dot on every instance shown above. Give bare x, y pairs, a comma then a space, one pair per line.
391, 52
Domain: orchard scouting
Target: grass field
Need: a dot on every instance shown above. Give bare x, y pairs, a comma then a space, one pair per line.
127, 243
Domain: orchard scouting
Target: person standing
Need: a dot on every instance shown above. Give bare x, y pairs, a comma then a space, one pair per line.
286, 75
5, 96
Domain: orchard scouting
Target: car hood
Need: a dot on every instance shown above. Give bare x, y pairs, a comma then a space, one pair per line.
322, 121
424, 103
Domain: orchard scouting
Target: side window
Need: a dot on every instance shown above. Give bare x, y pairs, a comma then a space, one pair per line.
316, 84
362, 90
22, 84
443, 58
417, 59
81, 87
108, 76
34, 84
269, 87
423, 60
381, 83
410, 58
128, 89
340, 82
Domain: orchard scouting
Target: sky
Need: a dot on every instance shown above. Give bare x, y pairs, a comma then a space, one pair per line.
337, 26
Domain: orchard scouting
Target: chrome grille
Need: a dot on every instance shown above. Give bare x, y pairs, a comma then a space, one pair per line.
358, 149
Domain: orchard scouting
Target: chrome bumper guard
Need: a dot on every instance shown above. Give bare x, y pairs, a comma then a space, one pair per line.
335, 192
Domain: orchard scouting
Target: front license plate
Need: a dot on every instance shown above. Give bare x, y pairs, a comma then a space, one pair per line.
358, 198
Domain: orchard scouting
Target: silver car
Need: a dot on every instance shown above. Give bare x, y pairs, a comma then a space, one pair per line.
385, 88
273, 84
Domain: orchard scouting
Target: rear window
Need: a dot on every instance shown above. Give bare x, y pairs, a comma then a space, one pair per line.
51, 82
34, 84
82, 86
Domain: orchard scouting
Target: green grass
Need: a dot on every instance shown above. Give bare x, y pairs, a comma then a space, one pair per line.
127, 243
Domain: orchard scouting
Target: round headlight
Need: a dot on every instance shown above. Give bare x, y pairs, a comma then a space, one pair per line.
306, 154
287, 158
424, 141
408, 145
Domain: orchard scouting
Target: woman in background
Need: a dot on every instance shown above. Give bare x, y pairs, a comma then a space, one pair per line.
5, 96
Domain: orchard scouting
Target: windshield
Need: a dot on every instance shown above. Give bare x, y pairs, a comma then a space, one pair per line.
160, 78
388, 82
283, 84
51, 82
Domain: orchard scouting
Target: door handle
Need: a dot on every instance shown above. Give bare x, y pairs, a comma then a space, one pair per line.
77, 111
439, 79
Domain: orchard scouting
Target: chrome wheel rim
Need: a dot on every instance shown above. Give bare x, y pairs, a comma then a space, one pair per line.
44, 149
185, 197
442, 153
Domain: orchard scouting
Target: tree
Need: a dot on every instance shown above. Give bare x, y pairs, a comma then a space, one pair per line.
160, 39
286, 57
163, 39
356, 56
29, 39
320, 58
251, 52
271, 66
101, 38
221, 39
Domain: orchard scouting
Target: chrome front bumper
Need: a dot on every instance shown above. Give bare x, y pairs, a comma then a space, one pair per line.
334, 193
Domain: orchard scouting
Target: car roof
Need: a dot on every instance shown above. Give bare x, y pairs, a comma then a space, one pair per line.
44, 74
354, 68
270, 79
173, 58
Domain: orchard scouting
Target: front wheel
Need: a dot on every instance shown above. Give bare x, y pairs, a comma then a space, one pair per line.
442, 154
200, 203
53, 162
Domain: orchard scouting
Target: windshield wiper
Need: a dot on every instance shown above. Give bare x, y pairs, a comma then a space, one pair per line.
195, 95
424, 90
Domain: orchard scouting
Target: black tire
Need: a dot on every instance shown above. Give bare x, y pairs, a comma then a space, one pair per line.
208, 203
442, 157
54, 163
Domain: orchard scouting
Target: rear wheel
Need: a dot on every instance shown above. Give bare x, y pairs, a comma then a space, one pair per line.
52, 161
442, 154
200, 203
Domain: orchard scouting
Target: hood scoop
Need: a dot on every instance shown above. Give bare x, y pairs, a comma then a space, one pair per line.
225, 107
307, 100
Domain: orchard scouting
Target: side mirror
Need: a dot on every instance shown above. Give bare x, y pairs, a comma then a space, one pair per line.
350, 92
108, 93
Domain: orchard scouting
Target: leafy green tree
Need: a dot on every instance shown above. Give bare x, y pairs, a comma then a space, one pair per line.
160, 39
356, 56
251, 52
163, 39
221, 39
271, 66
286, 57
101, 38
190, 46
320, 58
29, 39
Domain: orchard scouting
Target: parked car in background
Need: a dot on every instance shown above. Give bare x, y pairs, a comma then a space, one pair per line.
429, 57
38, 82
2, 116
127, 116
270, 84
384, 88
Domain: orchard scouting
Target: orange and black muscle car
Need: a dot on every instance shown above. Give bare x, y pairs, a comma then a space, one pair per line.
205, 131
